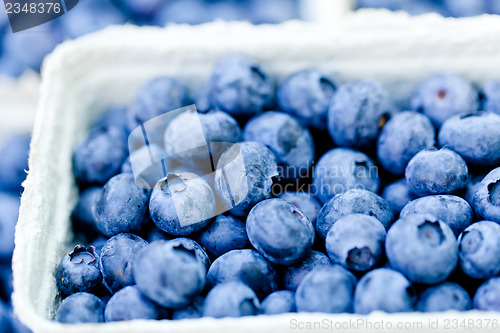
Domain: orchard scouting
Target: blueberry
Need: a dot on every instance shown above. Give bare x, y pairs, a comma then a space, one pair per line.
472, 185
479, 248
6, 320
202, 100
11, 66
389, 4
305, 202
18, 326
231, 299
140, 7
14, 162
154, 233
240, 86
144, 164
494, 7
291, 143
99, 157
486, 199
292, 276
170, 275
423, 7
353, 202
91, 16
227, 11
328, 289
402, 137
224, 234
6, 282
156, 98
79, 272
244, 176
357, 113
422, 248
182, 204
9, 208
281, 301
356, 242
280, 231
461, 8
81, 308
444, 297
442, 96
121, 206
247, 266
98, 243
187, 141
83, 215
28, 48
434, 171
182, 11
191, 245
450, 209
487, 297
306, 94
385, 290
398, 194
475, 137
129, 304
140, 160
491, 93
342, 169
192, 311
117, 257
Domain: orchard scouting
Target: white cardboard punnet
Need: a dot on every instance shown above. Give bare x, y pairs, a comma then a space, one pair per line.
83, 77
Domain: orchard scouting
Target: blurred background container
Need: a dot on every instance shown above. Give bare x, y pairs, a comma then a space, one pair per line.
22, 54
24, 51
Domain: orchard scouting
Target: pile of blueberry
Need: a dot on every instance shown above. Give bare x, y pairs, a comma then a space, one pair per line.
13, 166
27, 49
454, 8
344, 203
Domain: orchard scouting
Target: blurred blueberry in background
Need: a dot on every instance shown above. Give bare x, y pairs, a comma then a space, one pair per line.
13, 166
140, 8
29, 47
459, 8
228, 11
454, 8
9, 206
14, 162
182, 11
90, 16
93, 15
276, 11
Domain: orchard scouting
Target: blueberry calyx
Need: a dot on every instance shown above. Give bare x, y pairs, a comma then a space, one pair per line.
325, 84
80, 252
471, 241
181, 247
494, 192
441, 94
383, 120
468, 114
360, 169
248, 306
359, 256
431, 232
257, 73
298, 214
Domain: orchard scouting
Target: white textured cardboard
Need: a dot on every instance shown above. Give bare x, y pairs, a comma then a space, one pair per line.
83, 77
